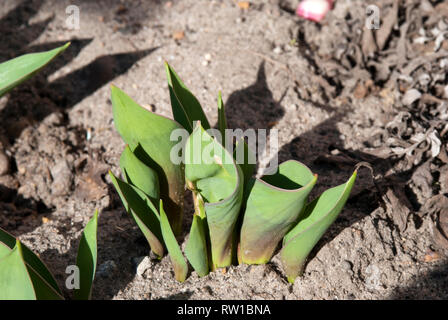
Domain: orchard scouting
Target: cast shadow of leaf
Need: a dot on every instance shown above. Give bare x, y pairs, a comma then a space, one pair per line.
63, 93
432, 286
37, 98
314, 148
254, 107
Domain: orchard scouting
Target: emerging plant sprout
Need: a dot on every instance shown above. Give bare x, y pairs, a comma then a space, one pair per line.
237, 217
23, 276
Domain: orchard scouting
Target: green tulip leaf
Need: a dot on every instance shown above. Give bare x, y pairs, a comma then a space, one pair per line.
142, 211
42, 289
215, 176
177, 259
222, 120
186, 108
139, 174
138, 126
87, 259
272, 209
236, 215
246, 159
15, 281
13, 72
19, 281
317, 217
196, 248
8, 242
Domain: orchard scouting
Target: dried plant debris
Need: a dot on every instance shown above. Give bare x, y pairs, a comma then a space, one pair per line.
408, 50
416, 138
404, 63
441, 230
398, 212
437, 208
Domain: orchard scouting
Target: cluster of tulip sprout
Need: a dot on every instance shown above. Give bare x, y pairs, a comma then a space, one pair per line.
237, 217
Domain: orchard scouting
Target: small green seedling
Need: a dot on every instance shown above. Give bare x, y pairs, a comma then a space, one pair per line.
13, 72
237, 217
23, 276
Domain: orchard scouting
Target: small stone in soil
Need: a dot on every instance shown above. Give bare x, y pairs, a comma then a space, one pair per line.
143, 264
277, 50
346, 265
411, 96
153, 256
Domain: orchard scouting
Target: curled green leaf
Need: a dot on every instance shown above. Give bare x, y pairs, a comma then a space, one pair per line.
317, 217
273, 207
215, 176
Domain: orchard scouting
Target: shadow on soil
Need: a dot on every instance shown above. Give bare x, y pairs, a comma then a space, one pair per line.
37, 98
432, 285
322, 150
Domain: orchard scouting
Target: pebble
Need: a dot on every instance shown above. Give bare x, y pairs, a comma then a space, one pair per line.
107, 269
143, 264
411, 96
207, 59
153, 256
277, 50
4, 163
346, 265
424, 79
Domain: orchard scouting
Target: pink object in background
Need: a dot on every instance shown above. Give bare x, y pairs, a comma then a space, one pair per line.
314, 10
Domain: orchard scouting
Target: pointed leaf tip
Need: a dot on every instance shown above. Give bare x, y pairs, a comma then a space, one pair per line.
43, 281
15, 281
139, 126
317, 217
87, 258
185, 106
15, 71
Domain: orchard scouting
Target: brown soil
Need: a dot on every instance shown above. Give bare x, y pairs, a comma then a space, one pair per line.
335, 100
